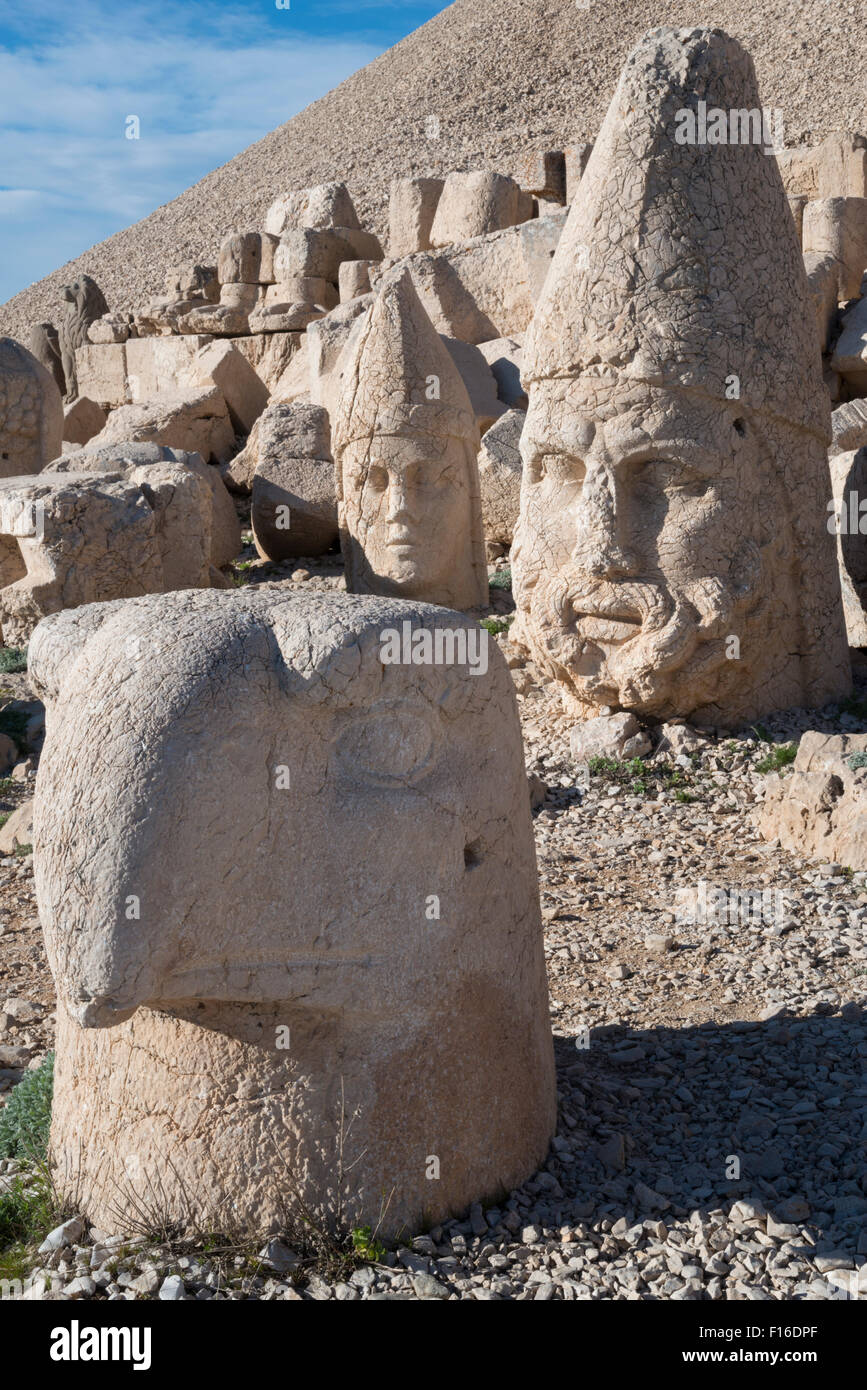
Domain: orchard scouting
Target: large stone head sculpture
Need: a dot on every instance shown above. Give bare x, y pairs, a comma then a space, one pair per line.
260, 818
671, 556
406, 445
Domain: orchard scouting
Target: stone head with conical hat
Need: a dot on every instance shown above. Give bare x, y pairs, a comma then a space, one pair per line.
406, 443
672, 554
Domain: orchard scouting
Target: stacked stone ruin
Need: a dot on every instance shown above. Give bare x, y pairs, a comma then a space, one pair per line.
642, 365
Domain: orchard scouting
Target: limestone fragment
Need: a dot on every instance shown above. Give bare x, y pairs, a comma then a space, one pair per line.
819, 807
472, 205
500, 477
411, 210
838, 227
31, 412
294, 507
194, 419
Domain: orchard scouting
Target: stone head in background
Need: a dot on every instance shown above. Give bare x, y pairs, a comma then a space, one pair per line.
85, 303
31, 412
354, 949
672, 556
405, 442
44, 343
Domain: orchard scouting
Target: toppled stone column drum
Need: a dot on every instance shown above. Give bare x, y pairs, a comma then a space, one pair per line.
288, 887
672, 556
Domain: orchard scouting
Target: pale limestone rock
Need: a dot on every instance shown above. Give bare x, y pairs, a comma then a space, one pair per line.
329, 345
220, 364
294, 507
320, 254
353, 280
479, 381
820, 807
849, 490
472, 205
837, 168
320, 208
500, 477
213, 1049
823, 278
406, 443
487, 288
505, 357
44, 343
838, 227
617, 736
850, 353
304, 289
82, 419
849, 426
31, 412
247, 258
672, 556
284, 318
157, 365
797, 202
577, 158
111, 328
191, 281
543, 173
101, 372
194, 419
68, 539
269, 354
411, 210
128, 458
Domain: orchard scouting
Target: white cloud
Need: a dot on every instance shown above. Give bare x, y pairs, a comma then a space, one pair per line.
205, 82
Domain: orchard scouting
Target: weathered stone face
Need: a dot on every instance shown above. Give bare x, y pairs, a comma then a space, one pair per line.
373, 891
405, 507
406, 446
672, 556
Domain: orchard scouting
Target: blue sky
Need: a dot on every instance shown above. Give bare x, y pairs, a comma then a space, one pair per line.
205, 78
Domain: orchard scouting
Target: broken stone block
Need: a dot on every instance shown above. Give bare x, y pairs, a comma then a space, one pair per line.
68, 539
82, 419
319, 254
127, 456
472, 205
797, 202
411, 210
479, 382
543, 173
488, 288
576, 157
284, 318
182, 504
353, 280
269, 354
849, 423
220, 364
191, 281
194, 419
111, 328
618, 736
504, 356
157, 365
247, 258
837, 168
327, 341
320, 208
838, 227
294, 507
44, 343
304, 289
500, 477
819, 807
823, 278
284, 990
101, 372
849, 490
31, 412
850, 353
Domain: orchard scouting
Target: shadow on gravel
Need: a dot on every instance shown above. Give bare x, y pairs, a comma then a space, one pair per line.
658, 1123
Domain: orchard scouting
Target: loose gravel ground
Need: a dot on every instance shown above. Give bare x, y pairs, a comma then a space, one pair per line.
712, 1073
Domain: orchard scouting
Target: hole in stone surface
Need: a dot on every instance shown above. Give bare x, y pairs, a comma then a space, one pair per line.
740, 427
472, 854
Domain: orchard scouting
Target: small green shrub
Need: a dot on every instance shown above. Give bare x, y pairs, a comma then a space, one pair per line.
501, 580
856, 760
779, 758
366, 1246
13, 659
496, 625
25, 1118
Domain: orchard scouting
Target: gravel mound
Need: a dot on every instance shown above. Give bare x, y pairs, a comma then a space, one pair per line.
502, 76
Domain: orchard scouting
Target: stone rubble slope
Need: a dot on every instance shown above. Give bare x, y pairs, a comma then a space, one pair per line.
503, 77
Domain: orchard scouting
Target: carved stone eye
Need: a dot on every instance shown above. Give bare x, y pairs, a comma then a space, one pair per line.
389, 747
